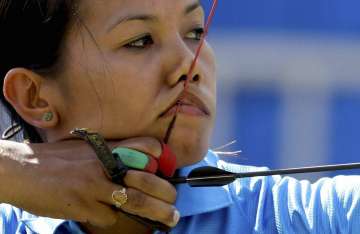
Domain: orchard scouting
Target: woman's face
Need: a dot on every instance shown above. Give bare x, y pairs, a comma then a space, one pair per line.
124, 65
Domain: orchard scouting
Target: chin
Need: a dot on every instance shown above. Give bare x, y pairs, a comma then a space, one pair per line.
190, 149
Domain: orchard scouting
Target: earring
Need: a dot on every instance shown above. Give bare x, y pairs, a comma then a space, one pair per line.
48, 116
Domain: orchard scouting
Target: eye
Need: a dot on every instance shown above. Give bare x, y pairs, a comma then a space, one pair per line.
140, 43
195, 34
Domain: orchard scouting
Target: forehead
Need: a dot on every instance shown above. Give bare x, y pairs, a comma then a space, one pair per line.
129, 4
105, 11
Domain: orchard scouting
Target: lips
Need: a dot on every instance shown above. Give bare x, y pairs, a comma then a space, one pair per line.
188, 105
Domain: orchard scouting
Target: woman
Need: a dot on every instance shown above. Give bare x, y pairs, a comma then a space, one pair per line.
118, 68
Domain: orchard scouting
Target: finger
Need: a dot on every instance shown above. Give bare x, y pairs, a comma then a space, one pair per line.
142, 181
146, 206
147, 145
151, 185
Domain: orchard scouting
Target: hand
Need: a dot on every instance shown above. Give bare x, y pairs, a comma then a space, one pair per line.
65, 180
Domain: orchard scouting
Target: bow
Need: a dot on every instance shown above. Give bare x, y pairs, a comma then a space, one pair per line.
212, 176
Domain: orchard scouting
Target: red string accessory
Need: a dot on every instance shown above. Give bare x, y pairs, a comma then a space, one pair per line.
167, 161
152, 165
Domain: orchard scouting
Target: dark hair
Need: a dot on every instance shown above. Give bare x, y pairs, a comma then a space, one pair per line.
31, 36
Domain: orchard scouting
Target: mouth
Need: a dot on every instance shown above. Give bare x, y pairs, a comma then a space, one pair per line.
187, 104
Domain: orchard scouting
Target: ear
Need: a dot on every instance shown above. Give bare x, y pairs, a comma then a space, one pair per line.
22, 89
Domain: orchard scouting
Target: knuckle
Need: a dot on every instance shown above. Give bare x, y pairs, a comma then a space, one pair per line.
138, 201
147, 181
140, 179
110, 220
151, 184
103, 217
172, 194
167, 193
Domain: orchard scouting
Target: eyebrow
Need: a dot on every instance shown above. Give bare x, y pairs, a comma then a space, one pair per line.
147, 17
192, 7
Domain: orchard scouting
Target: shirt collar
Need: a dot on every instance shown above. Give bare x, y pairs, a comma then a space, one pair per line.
193, 201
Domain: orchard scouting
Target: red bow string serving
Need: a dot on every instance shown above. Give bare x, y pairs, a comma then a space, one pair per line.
191, 70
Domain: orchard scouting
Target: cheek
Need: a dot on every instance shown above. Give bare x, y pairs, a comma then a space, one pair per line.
131, 85
114, 103
108, 92
81, 103
209, 57
128, 101
208, 63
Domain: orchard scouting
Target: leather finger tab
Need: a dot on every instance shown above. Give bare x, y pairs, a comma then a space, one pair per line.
135, 159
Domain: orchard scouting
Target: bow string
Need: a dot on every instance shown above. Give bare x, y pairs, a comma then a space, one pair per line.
191, 70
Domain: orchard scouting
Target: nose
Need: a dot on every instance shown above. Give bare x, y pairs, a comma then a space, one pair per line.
179, 62
194, 78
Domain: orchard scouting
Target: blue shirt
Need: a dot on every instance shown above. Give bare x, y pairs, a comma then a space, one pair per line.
251, 205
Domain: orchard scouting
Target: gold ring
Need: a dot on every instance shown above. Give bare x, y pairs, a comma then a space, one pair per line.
119, 197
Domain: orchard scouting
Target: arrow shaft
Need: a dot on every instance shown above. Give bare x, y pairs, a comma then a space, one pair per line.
301, 170
232, 176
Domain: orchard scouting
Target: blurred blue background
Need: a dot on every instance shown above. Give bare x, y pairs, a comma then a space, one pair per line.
289, 81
